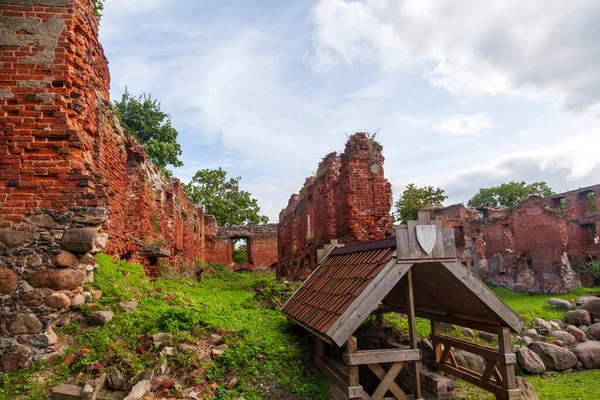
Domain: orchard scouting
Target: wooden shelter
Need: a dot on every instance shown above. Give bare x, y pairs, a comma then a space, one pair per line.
415, 273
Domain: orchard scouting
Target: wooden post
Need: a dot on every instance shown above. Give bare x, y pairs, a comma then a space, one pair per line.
437, 346
319, 348
352, 348
413, 336
507, 369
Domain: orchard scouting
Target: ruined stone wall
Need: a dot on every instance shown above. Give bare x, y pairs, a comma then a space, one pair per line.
72, 181
537, 246
261, 246
349, 199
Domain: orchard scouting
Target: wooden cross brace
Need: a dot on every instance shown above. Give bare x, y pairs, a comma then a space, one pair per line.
387, 381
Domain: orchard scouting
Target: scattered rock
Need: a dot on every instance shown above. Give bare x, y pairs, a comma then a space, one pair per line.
565, 337
24, 324
63, 279
532, 333
64, 259
559, 343
67, 392
128, 306
115, 380
584, 299
8, 281
527, 340
588, 354
44, 340
527, 391
593, 306
99, 318
530, 361
542, 326
555, 326
87, 259
140, 389
168, 352
578, 317
57, 301
594, 331
555, 358
468, 333
578, 333
232, 383
96, 294
469, 360
187, 348
560, 304
77, 301
160, 338
216, 353
13, 238
488, 337
153, 251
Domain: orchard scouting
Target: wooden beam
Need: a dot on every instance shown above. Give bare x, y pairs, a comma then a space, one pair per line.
319, 347
412, 326
381, 356
471, 377
486, 352
437, 347
353, 378
507, 371
387, 381
480, 326
395, 389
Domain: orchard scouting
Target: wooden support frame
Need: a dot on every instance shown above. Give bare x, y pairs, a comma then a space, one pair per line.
500, 363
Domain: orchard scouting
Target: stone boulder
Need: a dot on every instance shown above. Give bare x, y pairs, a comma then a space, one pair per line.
92, 216
564, 337
139, 390
13, 238
57, 301
16, 360
594, 331
470, 361
99, 318
83, 240
487, 336
43, 221
64, 259
584, 299
63, 279
555, 358
128, 306
24, 324
526, 388
533, 334
578, 317
593, 306
560, 304
530, 361
542, 326
578, 333
588, 354
8, 281
67, 392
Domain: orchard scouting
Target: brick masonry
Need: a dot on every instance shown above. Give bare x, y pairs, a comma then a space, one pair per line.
72, 181
537, 246
349, 199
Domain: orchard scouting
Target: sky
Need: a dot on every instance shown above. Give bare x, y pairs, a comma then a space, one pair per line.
464, 94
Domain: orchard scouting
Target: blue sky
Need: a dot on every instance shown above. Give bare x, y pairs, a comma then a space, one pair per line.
465, 93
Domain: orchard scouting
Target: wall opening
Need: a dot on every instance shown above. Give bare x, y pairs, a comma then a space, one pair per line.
589, 234
529, 260
241, 251
561, 204
591, 202
459, 237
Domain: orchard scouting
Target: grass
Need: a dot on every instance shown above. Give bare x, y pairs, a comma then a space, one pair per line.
262, 351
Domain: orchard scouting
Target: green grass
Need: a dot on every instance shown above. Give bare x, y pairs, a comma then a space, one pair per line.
223, 303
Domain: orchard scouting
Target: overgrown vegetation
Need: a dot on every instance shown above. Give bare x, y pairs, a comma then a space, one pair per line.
263, 353
98, 8
415, 198
509, 194
592, 267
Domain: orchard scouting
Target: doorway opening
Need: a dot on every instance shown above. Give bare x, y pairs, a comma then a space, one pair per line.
240, 253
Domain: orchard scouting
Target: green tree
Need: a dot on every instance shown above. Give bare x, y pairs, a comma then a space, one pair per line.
143, 117
509, 194
415, 198
224, 199
98, 7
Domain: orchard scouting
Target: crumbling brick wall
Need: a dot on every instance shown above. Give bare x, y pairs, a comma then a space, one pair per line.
537, 246
72, 181
349, 199
261, 242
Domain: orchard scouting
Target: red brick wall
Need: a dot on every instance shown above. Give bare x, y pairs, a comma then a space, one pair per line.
348, 200
531, 247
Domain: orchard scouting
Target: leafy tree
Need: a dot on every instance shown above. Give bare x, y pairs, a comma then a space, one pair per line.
143, 117
224, 199
240, 253
98, 8
415, 198
509, 194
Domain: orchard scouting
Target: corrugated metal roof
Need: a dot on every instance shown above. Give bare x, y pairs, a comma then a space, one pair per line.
332, 288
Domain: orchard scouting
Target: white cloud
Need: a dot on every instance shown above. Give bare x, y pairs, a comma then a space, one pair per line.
530, 48
464, 125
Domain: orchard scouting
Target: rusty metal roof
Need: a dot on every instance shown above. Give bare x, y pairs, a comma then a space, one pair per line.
334, 286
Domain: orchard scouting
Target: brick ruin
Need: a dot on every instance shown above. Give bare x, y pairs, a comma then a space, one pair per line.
537, 246
348, 200
73, 183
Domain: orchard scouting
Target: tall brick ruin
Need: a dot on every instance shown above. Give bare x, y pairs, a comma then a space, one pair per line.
73, 183
537, 246
348, 200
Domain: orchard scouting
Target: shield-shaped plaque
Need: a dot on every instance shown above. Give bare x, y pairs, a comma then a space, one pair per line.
426, 234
